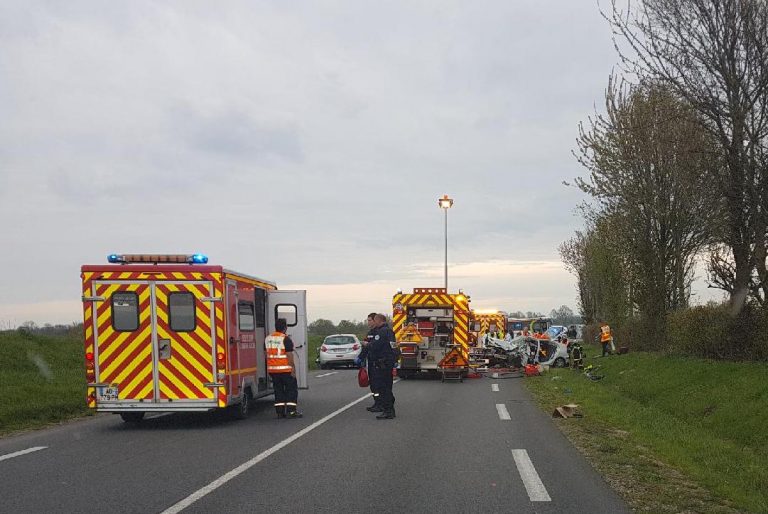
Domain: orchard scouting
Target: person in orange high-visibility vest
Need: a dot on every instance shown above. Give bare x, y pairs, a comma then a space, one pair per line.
282, 370
606, 337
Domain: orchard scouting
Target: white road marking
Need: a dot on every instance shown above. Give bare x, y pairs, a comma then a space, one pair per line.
494, 375
22, 452
326, 374
503, 413
192, 498
533, 484
495, 388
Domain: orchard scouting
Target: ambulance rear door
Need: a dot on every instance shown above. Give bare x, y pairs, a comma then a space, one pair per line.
291, 305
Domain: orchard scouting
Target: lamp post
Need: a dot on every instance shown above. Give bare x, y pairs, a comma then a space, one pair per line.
446, 203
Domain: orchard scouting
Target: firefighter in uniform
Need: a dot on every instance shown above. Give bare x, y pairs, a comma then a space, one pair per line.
363, 357
282, 369
606, 338
382, 355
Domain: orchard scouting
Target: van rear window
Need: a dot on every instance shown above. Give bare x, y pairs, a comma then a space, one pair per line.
125, 311
247, 321
181, 311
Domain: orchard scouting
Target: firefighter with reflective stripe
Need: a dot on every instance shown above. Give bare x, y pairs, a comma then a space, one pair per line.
282, 370
383, 355
606, 338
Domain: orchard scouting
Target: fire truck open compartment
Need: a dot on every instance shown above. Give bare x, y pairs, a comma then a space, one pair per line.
435, 326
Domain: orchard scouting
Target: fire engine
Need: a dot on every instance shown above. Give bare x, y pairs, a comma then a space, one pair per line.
171, 333
429, 324
482, 321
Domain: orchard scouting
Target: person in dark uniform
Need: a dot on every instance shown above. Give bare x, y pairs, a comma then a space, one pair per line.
382, 355
363, 357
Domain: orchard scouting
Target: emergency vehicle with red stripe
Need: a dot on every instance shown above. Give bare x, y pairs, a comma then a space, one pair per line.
171, 333
428, 324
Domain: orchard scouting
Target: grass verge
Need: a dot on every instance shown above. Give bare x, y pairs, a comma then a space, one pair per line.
670, 434
42, 380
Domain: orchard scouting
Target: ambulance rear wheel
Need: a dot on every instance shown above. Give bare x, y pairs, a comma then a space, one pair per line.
132, 417
244, 407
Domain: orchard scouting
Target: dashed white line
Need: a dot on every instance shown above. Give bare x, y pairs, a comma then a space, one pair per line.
495, 388
326, 374
533, 484
22, 452
503, 412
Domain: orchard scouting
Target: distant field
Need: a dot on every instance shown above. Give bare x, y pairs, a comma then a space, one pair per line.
42, 380
671, 434
314, 345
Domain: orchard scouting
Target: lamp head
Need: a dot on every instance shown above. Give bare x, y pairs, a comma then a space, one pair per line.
445, 202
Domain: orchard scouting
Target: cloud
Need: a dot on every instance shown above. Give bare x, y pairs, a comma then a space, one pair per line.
306, 143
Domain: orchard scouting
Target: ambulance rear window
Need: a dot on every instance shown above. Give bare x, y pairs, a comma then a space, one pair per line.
125, 311
245, 310
181, 311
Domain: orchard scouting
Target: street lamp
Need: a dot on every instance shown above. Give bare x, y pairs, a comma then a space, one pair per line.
446, 203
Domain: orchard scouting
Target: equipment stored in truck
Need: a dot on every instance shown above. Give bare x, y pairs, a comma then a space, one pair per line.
172, 333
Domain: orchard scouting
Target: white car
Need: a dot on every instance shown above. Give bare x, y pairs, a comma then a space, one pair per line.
339, 349
554, 331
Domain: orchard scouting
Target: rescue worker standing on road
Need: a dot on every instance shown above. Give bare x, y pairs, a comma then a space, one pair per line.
376, 407
606, 338
382, 355
282, 369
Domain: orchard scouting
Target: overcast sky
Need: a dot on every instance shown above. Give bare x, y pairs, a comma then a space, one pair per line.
302, 142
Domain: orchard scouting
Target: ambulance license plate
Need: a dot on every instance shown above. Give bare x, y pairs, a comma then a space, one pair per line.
107, 394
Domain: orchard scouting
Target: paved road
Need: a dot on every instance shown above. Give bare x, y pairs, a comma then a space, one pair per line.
450, 449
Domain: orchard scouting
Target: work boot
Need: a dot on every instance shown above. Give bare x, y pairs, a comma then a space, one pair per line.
295, 414
375, 408
387, 414
280, 411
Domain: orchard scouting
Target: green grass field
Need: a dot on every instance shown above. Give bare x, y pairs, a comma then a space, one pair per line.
671, 434
42, 380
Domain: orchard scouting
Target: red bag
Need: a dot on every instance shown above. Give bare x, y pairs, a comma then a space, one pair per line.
362, 377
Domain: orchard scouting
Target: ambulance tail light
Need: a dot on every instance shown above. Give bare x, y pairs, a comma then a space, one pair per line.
220, 360
90, 368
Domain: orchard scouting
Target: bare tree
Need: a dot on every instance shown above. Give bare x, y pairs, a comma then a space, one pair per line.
714, 54
651, 164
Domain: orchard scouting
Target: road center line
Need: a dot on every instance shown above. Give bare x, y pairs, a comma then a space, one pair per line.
495, 388
326, 374
533, 484
503, 412
22, 452
192, 498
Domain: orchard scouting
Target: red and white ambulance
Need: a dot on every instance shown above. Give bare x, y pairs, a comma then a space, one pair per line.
170, 333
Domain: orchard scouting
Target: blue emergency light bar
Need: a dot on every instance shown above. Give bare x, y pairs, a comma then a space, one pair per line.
197, 258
